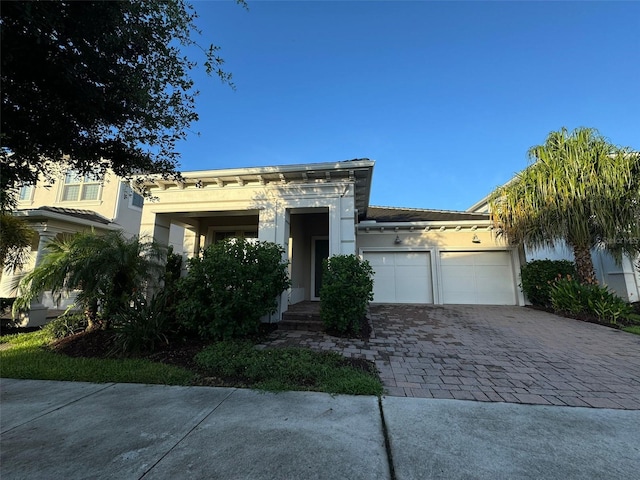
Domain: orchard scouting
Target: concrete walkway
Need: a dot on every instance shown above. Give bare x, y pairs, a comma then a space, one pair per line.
52, 430
492, 354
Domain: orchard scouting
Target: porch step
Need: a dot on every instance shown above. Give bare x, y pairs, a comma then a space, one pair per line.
302, 316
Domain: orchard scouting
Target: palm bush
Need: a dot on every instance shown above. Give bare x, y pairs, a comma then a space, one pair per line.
107, 270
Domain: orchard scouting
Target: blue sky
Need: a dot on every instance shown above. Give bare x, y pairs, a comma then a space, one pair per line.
446, 97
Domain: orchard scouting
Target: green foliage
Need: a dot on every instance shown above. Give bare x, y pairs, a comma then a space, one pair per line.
144, 326
172, 269
635, 329
572, 297
538, 276
108, 269
347, 289
66, 325
287, 369
579, 188
97, 85
15, 240
29, 358
230, 287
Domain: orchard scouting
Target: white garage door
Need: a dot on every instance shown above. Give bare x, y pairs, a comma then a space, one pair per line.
484, 278
401, 277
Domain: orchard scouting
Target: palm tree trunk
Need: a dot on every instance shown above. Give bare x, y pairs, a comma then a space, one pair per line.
90, 313
584, 265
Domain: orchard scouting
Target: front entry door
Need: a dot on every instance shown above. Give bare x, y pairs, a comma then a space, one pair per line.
320, 251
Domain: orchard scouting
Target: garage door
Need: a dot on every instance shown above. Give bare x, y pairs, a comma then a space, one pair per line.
484, 278
401, 277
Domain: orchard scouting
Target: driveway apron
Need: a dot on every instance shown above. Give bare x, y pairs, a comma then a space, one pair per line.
492, 354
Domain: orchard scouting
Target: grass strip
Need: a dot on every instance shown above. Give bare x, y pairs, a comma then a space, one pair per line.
26, 357
279, 369
632, 329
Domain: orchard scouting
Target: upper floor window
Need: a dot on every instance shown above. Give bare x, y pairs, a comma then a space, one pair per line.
26, 193
137, 200
80, 187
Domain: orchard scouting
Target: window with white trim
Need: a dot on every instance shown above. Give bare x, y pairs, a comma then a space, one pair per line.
137, 200
80, 187
26, 193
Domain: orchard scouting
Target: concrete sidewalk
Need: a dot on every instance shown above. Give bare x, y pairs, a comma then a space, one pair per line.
130, 431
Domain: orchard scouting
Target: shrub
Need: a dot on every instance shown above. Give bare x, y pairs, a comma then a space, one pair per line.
172, 269
280, 369
234, 284
347, 289
570, 296
66, 324
538, 276
144, 326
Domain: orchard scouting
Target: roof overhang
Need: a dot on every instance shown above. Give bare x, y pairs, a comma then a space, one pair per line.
358, 171
37, 215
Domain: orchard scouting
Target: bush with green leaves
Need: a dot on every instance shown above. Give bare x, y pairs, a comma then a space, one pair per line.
538, 275
144, 326
347, 289
571, 297
228, 289
66, 324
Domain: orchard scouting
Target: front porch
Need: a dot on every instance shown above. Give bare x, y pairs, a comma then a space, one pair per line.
310, 210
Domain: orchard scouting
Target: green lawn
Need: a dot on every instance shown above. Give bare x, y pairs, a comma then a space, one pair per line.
280, 369
27, 358
632, 329
234, 363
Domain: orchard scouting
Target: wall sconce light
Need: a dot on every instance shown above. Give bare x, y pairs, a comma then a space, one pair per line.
475, 239
397, 241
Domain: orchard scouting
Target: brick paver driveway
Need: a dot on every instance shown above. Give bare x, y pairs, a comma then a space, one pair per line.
492, 354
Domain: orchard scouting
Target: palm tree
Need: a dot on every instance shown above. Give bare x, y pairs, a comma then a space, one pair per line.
579, 189
107, 270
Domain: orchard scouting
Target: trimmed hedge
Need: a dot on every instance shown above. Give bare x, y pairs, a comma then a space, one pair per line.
347, 289
234, 284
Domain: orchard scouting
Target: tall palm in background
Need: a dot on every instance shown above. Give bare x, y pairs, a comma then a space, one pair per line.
579, 189
107, 269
